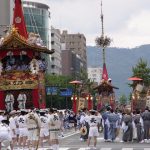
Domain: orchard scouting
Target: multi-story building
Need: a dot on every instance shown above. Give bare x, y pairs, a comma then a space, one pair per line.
37, 18
71, 62
95, 74
6, 11
56, 61
77, 44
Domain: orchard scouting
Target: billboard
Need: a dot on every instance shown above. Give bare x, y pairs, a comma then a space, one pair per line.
51, 90
66, 92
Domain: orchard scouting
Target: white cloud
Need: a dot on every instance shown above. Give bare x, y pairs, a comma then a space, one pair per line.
127, 22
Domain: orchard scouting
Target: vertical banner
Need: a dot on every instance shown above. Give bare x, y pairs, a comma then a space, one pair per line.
35, 98
99, 103
2, 103
81, 103
74, 105
42, 93
104, 73
90, 104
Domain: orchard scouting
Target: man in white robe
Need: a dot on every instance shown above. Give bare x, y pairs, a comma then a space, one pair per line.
9, 101
22, 100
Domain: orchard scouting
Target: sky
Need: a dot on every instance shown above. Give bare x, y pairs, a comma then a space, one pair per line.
126, 22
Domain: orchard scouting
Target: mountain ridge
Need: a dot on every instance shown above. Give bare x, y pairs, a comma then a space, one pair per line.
119, 63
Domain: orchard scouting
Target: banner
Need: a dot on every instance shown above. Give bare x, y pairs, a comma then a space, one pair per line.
104, 73
81, 103
67, 92
42, 93
18, 80
51, 90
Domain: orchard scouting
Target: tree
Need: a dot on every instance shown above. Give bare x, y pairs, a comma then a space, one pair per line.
123, 100
142, 71
60, 82
87, 84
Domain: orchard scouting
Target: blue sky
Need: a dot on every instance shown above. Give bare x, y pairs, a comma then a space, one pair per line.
127, 22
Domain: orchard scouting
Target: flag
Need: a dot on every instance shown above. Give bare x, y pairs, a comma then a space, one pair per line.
18, 20
104, 74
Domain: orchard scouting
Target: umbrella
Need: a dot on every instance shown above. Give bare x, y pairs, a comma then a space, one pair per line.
75, 82
134, 79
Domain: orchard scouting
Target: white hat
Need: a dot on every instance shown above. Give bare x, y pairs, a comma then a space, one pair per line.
109, 79
42, 111
92, 110
23, 110
13, 112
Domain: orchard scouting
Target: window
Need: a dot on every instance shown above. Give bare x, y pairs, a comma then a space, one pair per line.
52, 42
52, 34
53, 66
52, 58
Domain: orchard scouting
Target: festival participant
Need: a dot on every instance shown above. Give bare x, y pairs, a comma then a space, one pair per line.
22, 100
106, 123
72, 120
93, 122
134, 126
5, 135
119, 123
17, 127
66, 119
146, 120
33, 125
1, 115
54, 124
23, 130
112, 118
61, 117
139, 126
12, 125
84, 124
128, 127
9, 100
99, 117
44, 131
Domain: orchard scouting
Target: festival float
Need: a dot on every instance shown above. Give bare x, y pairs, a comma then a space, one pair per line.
105, 89
140, 95
22, 67
81, 98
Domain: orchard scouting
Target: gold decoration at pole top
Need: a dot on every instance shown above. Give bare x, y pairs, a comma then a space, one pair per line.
102, 41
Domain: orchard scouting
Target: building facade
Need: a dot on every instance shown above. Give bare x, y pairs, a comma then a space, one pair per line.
77, 44
6, 13
71, 62
95, 74
37, 17
56, 61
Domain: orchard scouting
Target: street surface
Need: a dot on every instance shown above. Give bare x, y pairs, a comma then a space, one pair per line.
72, 142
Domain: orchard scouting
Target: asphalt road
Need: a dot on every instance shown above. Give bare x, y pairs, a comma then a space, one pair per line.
73, 143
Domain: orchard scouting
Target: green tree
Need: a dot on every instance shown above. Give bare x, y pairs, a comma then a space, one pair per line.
123, 99
60, 82
87, 84
142, 70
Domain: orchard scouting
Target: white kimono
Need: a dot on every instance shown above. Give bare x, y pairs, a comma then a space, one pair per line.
22, 101
9, 100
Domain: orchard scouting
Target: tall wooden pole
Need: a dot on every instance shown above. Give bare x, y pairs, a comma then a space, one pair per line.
102, 22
